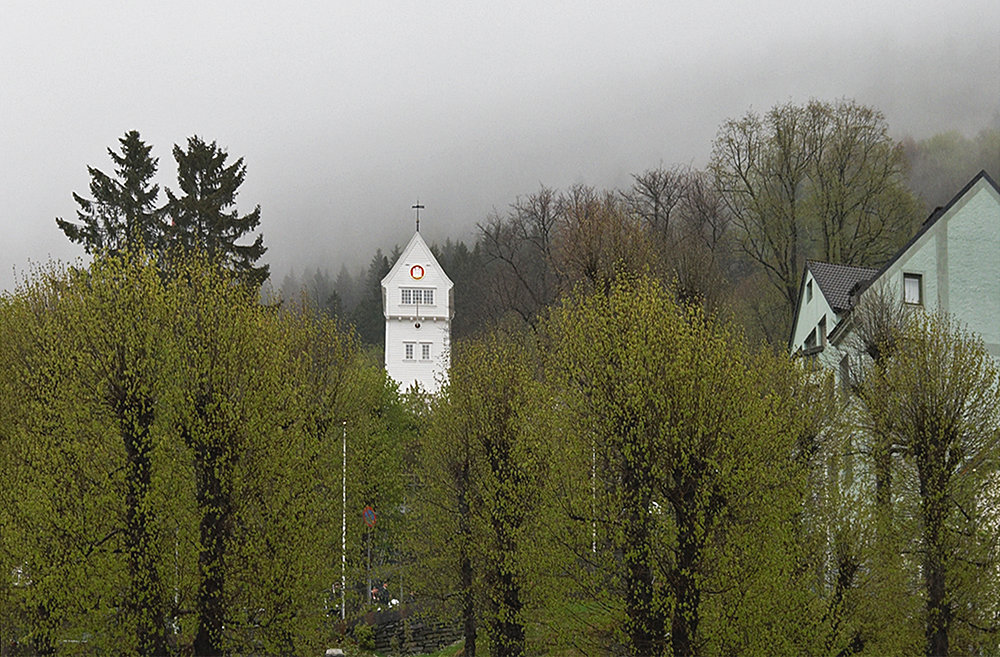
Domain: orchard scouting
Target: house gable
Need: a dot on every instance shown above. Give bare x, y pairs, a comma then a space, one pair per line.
824, 298
952, 264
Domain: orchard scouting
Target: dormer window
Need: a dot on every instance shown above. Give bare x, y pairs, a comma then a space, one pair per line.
913, 289
411, 296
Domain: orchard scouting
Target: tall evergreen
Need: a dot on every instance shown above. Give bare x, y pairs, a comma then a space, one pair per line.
369, 316
123, 213
205, 218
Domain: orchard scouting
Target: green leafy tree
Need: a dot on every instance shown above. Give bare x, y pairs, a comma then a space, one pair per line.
692, 439
204, 217
168, 462
90, 381
937, 399
482, 468
123, 213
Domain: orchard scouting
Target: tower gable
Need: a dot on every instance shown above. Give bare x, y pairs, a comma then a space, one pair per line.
417, 286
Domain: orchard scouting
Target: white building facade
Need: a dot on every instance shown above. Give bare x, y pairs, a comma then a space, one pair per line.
418, 305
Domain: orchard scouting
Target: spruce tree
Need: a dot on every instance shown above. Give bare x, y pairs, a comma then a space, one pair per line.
204, 217
123, 213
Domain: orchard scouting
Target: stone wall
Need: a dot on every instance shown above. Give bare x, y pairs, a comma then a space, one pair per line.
401, 632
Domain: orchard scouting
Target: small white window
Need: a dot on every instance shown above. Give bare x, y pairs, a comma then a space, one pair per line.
429, 297
809, 291
425, 351
822, 331
913, 289
408, 350
407, 296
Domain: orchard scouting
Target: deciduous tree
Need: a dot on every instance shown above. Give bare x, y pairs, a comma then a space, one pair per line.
482, 471
822, 180
937, 397
692, 437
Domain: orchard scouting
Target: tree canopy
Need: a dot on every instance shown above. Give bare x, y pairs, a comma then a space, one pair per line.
169, 447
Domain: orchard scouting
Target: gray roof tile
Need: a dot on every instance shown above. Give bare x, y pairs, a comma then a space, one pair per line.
837, 281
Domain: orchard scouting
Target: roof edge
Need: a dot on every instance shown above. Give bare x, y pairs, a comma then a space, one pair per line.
931, 221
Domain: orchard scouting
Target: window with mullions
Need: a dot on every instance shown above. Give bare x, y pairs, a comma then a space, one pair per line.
408, 348
411, 296
425, 351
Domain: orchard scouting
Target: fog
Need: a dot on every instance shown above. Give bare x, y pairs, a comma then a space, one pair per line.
346, 115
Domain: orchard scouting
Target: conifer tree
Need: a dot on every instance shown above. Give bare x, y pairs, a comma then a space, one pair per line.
123, 212
204, 217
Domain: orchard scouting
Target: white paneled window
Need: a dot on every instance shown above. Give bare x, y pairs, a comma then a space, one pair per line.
425, 351
410, 296
408, 348
913, 285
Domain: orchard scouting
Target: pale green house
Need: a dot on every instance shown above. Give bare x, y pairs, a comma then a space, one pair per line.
952, 264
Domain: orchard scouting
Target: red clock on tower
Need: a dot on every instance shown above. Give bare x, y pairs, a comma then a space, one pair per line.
416, 272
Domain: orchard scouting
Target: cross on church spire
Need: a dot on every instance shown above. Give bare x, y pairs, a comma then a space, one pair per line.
418, 208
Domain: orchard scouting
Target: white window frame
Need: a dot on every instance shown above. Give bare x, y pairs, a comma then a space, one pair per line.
918, 279
425, 351
409, 349
412, 296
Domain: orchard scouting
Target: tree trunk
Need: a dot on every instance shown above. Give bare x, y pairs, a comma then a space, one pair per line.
645, 622
213, 498
143, 599
687, 588
939, 611
468, 608
509, 635
467, 575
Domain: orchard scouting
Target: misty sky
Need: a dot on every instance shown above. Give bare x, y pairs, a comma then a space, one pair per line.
346, 113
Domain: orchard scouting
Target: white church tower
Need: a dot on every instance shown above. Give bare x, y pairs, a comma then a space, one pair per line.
417, 300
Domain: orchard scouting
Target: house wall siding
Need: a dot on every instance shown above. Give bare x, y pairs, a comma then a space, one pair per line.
974, 266
959, 259
428, 374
